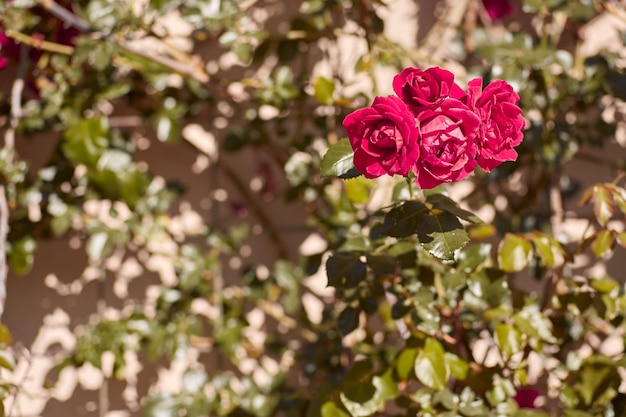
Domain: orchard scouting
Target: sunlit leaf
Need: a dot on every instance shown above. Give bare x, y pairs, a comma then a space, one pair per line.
358, 189
440, 232
603, 243
603, 204
338, 161
360, 399
7, 360
330, 409
386, 385
405, 363
430, 365
86, 140
324, 89
508, 338
514, 253
543, 247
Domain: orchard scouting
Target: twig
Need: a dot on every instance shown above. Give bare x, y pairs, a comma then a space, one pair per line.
39, 43
192, 68
65, 15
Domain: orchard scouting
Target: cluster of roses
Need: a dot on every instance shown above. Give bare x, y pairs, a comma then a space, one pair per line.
434, 129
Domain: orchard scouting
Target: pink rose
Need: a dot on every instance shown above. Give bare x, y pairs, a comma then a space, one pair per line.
501, 122
384, 137
497, 9
422, 89
447, 145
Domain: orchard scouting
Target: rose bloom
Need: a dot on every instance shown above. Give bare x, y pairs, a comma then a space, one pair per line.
384, 138
423, 89
447, 145
497, 9
501, 122
526, 397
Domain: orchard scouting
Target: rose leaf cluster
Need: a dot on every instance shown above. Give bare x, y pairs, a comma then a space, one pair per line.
434, 130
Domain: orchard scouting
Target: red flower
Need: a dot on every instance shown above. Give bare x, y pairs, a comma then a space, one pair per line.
423, 89
526, 397
447, 144
384, 138
498, 9
501, 122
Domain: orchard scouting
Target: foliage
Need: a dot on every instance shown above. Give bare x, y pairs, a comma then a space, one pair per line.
434, 311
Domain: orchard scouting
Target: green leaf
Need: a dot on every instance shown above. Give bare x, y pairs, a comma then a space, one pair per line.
386, 385
458, 367
358, 190
604, 285
543, 246
430, 365
531, 413
348, 320
5, 335
338, 161
382, 265
438, 231
22, 255
86, 140
533, 323
7, 361
514, 253
603, 204
330, 409
445, 203
324, 89
603, 243
598, 380
167, 128
99, 246
405, 363
577, 413
345, 270
360, 399
509, 339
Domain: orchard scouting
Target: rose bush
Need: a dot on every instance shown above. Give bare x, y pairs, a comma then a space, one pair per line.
384, 138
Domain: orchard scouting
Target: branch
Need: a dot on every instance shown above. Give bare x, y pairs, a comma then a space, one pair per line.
65, 15
193, 67
39, 43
